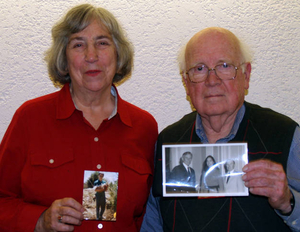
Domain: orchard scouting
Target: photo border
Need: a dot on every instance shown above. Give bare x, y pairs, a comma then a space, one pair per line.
242, 158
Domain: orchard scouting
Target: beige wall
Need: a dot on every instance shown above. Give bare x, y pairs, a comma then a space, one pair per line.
157, 28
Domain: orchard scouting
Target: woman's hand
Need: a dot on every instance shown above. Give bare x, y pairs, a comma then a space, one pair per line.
62, 215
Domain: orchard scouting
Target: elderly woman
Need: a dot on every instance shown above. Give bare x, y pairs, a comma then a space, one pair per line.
53, 139
211, 179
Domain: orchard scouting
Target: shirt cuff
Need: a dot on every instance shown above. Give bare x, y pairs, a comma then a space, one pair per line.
293, 220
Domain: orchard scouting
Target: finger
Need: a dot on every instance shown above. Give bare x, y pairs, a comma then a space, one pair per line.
278, 175
70, 202
71, 211
69, 220
266, 182
275, 195
70, 216
262, 164
278, 199
261, 191
274, 190
72, 208
61, 226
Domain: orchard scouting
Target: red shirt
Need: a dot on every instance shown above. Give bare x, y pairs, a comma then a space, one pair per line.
49, 144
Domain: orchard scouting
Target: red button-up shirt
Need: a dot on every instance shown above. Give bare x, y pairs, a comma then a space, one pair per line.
49, 144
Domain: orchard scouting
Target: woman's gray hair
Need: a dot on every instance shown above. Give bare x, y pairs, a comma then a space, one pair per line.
76, 20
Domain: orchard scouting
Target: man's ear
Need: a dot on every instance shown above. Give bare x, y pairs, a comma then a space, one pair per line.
247, 73
185, 83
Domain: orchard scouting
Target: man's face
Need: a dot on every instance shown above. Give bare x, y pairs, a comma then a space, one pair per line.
187, 159
214, 96
229, 165
100, 177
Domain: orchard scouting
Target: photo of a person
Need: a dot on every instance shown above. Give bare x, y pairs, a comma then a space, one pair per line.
184, 174
198, 170
100, 186
211, 179
233, 180
100, 194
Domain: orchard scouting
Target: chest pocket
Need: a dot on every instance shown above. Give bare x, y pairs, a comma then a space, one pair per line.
137, 176
139, 165
52, 158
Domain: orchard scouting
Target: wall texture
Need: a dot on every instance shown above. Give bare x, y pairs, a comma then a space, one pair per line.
157, 29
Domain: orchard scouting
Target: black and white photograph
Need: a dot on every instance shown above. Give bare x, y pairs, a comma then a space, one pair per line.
100, 195
208, 170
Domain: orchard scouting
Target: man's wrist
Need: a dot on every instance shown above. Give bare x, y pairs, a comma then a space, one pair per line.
292, 204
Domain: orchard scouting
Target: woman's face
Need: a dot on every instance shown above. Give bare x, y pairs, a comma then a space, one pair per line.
92, 59
209, 162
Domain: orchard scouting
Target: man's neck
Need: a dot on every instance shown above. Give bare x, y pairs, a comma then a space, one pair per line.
216, 127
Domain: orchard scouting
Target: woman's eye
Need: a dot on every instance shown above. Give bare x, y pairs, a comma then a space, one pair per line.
102, 43
77, 45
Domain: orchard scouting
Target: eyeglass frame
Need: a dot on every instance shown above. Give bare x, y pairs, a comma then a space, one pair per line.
212, 69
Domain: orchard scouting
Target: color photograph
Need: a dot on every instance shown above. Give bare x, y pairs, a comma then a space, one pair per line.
100, 195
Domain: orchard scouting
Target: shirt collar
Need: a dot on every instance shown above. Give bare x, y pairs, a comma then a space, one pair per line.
123, 109
66, 107
201, 133
230, 172
186, 167
113, 92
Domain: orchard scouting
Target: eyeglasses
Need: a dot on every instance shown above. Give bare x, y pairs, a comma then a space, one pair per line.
200, 72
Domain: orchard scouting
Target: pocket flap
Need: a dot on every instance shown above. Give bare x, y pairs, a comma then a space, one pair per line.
52, 158
137, 164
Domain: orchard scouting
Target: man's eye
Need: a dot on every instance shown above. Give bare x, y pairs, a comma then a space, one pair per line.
225, 65
200, 68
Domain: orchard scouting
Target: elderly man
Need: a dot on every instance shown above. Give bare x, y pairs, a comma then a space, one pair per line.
216, 72
233, 182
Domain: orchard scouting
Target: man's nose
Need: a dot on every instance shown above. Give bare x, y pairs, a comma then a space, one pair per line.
212, 77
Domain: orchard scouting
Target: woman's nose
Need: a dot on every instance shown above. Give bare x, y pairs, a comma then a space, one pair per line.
91, 54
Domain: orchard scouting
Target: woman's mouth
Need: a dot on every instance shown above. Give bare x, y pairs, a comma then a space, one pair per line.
92, 72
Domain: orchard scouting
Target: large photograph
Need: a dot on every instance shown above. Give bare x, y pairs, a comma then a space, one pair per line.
100, 195
204, 169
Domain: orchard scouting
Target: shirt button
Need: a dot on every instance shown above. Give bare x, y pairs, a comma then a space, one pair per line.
51, 161
96, 139
99, 166
100, 226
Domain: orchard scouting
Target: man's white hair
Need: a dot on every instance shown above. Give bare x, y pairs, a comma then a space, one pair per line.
246, 56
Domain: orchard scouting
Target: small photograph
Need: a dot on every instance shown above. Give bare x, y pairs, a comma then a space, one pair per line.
207, 170
100, 195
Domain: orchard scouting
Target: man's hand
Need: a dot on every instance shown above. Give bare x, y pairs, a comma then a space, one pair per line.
267, 178
67, 210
